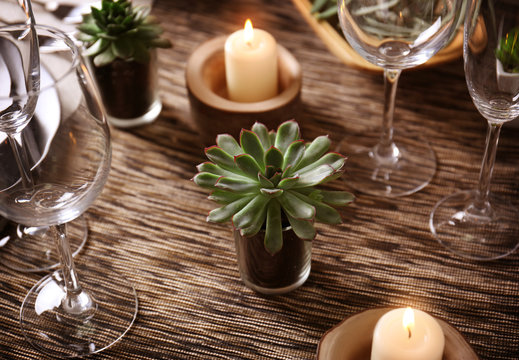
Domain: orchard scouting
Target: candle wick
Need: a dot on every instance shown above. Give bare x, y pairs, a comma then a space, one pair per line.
409, 331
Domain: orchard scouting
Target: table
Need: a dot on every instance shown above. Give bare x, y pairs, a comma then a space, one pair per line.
149, 222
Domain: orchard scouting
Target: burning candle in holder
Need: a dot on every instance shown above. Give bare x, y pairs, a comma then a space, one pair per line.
234, 81
382, 334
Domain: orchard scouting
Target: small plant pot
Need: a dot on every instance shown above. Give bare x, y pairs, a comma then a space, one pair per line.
273, 274
506, 81
509, 83
129, 91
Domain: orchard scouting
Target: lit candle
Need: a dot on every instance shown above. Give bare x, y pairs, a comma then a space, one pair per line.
407, 334
251, 65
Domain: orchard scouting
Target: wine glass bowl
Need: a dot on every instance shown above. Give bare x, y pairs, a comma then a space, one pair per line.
395, 35
478, 224
27, 248
66, 158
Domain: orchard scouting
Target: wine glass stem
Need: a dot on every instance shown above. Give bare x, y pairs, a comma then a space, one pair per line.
67, 263
76, 302
487, 167
22, 159
386, 151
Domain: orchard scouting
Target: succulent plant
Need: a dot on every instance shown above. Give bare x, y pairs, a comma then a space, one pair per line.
508, 51
119, 30
270, 177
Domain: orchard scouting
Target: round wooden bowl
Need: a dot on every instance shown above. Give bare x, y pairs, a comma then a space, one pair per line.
351, 339
211, 109
338, 46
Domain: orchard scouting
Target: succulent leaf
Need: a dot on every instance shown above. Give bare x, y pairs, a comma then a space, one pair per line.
224, 197
248, 214
294, 154
287, 133
337, 198
122, 47
263, 134
288, 183
256, 226
274, 232
303, 228
220, 158
242, 185
104, 58
272, 193
272, 138
248, 165
276, 178
314, 151
213, 169
97, 47
316, 176
225, 213
274, 158
323, 213
264, 182
334, 160
228, 144
295, 207
251, 144
206, 180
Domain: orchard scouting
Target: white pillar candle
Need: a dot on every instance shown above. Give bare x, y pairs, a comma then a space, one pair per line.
407, 334
251, 65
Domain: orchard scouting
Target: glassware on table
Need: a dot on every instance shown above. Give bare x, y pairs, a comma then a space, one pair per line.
476, 224
61, 315
30, 248
395, 35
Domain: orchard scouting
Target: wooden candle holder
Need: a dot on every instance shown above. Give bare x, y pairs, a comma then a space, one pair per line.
211, 109
351, 339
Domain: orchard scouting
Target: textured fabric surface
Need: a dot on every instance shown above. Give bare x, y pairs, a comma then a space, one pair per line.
149, 222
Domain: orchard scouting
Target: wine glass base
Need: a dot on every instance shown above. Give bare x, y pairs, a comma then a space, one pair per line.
475, 237
56, 335
33, 249
409, 172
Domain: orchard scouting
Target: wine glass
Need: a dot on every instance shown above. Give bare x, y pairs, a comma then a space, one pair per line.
31, 248
395, 35
61, 315
476, 224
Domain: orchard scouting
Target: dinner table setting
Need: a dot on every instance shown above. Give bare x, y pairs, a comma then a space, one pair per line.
259, 179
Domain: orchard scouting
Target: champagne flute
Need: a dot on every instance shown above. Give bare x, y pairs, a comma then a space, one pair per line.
30, 248
477, 224
395, 35
63, 315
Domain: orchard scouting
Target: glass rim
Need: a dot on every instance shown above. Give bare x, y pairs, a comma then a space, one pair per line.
69, 42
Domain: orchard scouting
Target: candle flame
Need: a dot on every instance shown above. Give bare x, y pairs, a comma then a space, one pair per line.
408, 320
248, 32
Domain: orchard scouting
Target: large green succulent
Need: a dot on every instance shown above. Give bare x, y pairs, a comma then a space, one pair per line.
119, 30
269, 178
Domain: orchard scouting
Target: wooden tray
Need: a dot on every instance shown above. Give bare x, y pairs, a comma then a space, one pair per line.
340, 47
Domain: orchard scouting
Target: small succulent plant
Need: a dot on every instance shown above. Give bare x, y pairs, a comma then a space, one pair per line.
508, 51
119, 30
269, 179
